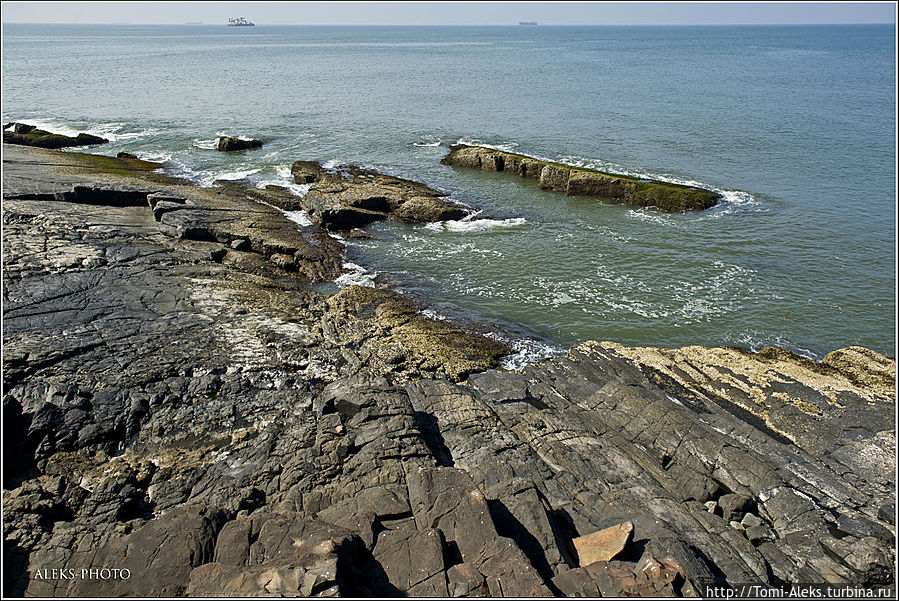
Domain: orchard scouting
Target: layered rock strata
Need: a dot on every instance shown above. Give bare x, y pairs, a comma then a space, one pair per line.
351, 197
578, 181
179, 404
29, 135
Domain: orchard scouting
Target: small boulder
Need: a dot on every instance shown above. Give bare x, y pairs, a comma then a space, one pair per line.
602, 545
429, 209
750, 519
306, 172
733, 506
230, 143
126, 155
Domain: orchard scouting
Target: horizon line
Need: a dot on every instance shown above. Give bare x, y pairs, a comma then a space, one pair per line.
184, 23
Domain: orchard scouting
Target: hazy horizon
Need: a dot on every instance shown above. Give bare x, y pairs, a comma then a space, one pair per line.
456, 13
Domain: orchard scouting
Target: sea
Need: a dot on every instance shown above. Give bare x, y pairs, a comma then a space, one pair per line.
794, 125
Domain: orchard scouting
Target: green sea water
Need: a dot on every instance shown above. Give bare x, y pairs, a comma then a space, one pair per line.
794, 125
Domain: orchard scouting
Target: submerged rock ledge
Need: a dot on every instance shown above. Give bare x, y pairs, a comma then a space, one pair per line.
180, 404
579, 181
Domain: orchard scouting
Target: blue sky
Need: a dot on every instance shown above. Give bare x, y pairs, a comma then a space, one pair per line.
451, 13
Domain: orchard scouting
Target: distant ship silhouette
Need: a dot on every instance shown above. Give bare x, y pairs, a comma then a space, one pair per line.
527, 22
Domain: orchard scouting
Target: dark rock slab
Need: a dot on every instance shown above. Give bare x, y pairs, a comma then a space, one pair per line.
352, 197
29, 135
231, 143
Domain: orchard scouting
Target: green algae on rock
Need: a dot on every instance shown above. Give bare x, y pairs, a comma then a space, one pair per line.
579, 181
29, 135
434, 345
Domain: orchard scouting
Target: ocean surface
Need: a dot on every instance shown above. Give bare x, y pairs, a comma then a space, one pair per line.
795, 125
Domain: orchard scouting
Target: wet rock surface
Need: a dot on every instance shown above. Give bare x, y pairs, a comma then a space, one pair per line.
351, 197
579, 181
29, 135
179, 404
232, 143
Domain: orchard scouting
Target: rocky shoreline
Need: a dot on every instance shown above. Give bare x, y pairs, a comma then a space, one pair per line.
180, 403
579, 181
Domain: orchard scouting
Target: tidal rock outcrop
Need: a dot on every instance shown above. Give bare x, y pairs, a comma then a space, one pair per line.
181, 405
350, 197
29, 135
232, 143
579, 181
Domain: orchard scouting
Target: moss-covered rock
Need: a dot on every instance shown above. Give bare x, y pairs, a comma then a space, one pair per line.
578, 181
436, 346
29, 135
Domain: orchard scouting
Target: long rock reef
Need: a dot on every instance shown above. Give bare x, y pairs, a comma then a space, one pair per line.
182, 407
29, 135
579, 181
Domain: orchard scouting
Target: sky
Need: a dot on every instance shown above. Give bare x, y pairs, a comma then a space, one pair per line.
451, 13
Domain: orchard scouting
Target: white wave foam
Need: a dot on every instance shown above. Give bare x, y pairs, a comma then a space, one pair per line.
426, 144
235, 175
358, 276
506, 147
301, 218
330, 164
475, 225
757, 341
295, 189
111, 131
178, 168
650, 217
431, 314
131, 136
224, 133
526, 350
286, 180
156, 157
174, 167
206, 144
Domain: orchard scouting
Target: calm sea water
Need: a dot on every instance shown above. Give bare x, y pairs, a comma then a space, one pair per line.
795, 125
